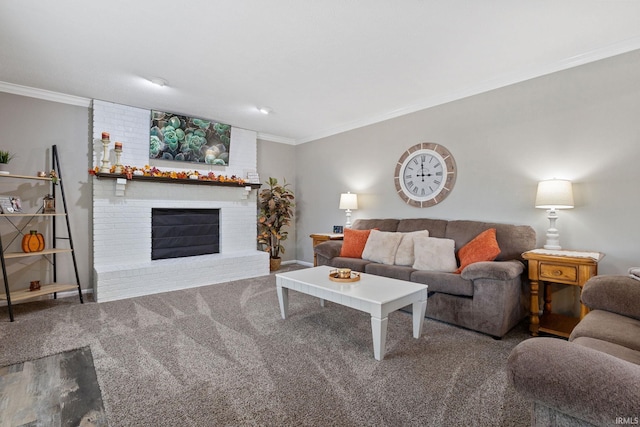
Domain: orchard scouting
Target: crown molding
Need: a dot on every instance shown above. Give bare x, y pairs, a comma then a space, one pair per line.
604, 52
86, 102
276, 138
47, 95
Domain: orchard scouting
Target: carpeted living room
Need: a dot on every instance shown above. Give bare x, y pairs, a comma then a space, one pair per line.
271, 213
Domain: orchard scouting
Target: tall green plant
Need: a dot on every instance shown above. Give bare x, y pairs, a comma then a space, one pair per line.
275, 210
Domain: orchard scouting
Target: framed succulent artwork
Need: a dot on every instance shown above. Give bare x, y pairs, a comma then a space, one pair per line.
188, 139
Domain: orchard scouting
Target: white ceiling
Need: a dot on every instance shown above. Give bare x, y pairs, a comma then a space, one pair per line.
323, 66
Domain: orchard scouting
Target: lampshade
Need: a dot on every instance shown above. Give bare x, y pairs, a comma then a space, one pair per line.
348, 201
554, 194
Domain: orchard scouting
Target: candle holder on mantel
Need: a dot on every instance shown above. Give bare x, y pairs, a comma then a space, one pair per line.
105, 168
118, 150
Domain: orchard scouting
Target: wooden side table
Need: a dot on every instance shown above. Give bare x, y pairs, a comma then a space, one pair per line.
571, 268
323, 237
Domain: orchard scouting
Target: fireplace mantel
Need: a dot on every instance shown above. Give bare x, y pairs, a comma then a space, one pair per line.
121, 182
178, 180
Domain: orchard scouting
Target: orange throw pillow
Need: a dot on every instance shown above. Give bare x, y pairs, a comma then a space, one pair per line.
483, 247
353, 242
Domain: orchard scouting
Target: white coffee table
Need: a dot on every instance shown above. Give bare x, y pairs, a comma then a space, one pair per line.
372, 294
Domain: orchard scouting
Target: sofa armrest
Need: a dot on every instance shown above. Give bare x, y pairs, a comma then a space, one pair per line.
497, 270
582, 382
614, 293
329, 249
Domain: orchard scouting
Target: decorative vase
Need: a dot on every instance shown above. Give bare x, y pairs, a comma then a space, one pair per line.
4, 168
274, 263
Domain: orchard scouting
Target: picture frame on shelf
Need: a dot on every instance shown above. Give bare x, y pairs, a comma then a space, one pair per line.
16, 203
252, 177
6, 205
338, 229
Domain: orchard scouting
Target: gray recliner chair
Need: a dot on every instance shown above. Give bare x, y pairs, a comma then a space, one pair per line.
594, 377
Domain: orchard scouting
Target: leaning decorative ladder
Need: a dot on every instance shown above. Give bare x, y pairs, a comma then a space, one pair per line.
54, 287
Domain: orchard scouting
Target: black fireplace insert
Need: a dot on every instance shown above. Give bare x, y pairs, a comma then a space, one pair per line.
178, 232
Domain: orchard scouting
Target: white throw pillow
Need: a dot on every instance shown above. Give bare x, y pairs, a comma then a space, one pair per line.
434, 254
404, 254
381, 246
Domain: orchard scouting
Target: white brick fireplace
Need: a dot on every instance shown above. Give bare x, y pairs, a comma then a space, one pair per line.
122, 217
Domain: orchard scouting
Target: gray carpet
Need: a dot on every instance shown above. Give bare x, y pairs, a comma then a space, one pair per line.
221, 356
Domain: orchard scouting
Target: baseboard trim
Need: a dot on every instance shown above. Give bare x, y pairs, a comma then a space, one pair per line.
295, 261
65, 294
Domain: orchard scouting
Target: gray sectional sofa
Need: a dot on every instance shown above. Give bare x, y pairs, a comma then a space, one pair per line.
594, 378
489, 297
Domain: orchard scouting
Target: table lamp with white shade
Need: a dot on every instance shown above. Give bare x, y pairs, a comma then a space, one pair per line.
554, 194
348, 201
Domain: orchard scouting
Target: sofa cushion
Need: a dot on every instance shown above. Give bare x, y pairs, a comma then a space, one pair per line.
404, 253
446, 283
381, 246
399, 272
436, 227
380, 224
356, 264
615, 350
353, 243
434, 254
610, 327
512, 239
483, 247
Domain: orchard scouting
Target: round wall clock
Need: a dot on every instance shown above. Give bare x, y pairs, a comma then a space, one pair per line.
425, 174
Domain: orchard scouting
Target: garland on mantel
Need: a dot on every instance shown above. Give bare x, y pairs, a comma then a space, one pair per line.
130, 171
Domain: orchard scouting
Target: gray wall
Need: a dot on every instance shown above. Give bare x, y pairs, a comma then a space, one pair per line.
278, 161
580, 124
29, 127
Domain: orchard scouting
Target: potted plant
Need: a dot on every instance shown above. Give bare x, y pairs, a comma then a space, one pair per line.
5, 158
275, 210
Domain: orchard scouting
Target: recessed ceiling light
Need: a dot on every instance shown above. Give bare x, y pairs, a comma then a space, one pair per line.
158, 81
265, 110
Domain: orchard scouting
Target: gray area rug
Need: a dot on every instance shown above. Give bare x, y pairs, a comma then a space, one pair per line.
57, 390
221, 355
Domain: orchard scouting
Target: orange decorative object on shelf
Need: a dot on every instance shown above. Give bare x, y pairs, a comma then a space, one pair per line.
33, 242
